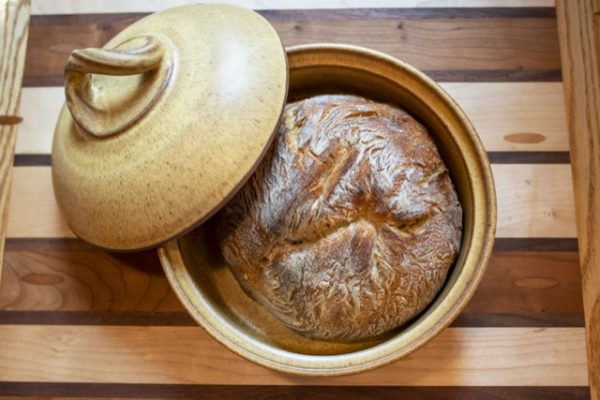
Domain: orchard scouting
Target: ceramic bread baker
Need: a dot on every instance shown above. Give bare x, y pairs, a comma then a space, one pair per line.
166, 123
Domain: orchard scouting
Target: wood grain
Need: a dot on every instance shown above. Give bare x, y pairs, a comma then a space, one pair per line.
501, 110
537, 288
579, 28
434, 44
171, 355
111, 6
103, 391
14, 17
529, 282
508, 116
85, 280
36, 213
527, 205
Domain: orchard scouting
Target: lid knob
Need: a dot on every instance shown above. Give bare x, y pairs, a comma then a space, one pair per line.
89, 103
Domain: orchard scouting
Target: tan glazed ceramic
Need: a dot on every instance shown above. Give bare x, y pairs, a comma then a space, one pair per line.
165, 123
208, 290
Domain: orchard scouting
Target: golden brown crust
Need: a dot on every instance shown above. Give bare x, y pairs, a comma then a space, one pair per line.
349, 226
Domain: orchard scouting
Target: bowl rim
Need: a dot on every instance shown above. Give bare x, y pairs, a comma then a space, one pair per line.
416, 334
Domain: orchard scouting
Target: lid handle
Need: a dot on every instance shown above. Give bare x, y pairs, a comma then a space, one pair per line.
93, 109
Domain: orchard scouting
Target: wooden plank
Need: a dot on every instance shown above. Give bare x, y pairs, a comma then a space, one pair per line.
514, 116
527, 205
14, 17
171, 355
42, 7
435, 44
93, 287
85, 280
529, 282
579, 24
40, 108
100, 391
36, 213
508, 116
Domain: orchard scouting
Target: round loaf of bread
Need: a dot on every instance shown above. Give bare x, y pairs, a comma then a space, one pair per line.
349, 226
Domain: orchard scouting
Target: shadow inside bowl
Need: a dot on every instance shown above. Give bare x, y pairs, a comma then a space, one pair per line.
218, 286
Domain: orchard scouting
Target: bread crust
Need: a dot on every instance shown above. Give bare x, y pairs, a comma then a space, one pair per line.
350, 224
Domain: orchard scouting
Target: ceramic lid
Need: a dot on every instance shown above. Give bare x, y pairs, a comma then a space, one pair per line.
163, 125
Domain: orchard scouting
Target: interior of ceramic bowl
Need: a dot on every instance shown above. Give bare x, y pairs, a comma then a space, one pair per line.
210, 292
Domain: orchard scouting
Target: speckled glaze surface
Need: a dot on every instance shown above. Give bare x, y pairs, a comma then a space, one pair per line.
166, 123
207, 289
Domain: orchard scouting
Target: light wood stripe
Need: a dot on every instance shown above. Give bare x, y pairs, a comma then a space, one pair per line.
39, 109
508, 116
34, 212
171, 355
14, 21
45, 7
534, 200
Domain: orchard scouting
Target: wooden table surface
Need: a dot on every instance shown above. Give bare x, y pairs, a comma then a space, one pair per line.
79, 322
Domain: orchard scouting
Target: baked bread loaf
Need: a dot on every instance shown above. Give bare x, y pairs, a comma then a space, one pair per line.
350, 224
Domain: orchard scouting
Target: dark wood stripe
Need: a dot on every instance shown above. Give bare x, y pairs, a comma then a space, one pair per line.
102, 20
43, 81
535, 244
519, 320
529, 157
496, 75
465, 75
412, 13
46, 244
131, 318
333, 14
32, 160
254, 392
500, 244
495, 157
503, 44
